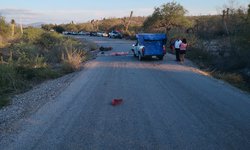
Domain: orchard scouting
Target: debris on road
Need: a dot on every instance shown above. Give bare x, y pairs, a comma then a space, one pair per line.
105, 48
116, 102
119, 54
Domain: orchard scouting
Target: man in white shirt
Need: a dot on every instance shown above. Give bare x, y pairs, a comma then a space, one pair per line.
177, 49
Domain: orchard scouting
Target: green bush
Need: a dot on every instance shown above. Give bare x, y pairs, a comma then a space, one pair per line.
47, 40
4, 100
9, 79
37, 74
30, 60
32, 34
202, 57
5, 30
24, 48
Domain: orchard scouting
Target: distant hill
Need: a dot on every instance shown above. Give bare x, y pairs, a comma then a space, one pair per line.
35, 25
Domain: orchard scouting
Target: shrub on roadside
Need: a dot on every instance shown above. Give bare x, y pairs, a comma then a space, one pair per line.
9, 79
72, 60
37, 74
36, 57
47, 40
7, 73
202, 57
93, 46
235, 79
4, 100
5, 29
31, 35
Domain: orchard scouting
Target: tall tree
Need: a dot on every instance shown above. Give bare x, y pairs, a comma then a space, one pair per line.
167, 16
13, 23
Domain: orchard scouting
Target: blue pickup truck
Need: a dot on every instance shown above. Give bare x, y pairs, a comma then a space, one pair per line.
149, 44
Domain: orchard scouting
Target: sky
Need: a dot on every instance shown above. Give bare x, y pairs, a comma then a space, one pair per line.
65, 11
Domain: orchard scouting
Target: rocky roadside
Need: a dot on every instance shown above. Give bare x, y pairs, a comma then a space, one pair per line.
25, 104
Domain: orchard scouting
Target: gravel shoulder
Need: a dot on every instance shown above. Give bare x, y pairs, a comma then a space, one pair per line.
23, 105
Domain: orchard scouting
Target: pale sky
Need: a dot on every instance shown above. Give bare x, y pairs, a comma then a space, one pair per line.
64, 11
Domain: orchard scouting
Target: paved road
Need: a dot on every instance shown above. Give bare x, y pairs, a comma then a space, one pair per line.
166, 106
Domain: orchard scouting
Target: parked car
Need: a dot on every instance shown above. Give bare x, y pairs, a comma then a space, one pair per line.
65, 32
115, 34
149, 45
82, 33
99, 34
105, 34
102, 34
93, 33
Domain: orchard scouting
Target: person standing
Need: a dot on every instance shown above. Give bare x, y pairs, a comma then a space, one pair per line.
183, 48
177, 49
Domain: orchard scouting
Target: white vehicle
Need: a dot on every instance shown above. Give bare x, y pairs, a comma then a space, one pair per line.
102, 34
82, 33
115, 34
105, 34
99, 33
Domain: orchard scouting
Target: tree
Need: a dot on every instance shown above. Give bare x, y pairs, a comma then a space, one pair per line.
13, 27
59, 28
167, 16
48, 27
71, 27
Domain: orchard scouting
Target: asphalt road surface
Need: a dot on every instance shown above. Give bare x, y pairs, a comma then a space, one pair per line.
166, 105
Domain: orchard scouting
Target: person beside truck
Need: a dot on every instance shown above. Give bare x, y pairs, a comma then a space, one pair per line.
183, 48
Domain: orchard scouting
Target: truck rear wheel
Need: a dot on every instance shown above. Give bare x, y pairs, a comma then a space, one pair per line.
160, 57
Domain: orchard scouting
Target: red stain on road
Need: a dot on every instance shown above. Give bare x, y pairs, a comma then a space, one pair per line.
116, 102
119, 54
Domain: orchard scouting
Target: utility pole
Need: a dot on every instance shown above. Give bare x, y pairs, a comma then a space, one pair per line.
225, 14
128, 23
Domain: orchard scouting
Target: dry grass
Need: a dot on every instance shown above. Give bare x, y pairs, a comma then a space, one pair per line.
72, 60
234, 79
92, 46
206, 61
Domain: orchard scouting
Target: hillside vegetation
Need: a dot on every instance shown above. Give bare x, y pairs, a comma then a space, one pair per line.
222, 45
217, 43
33, 56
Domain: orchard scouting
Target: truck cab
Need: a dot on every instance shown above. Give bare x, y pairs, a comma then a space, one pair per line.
149, 44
